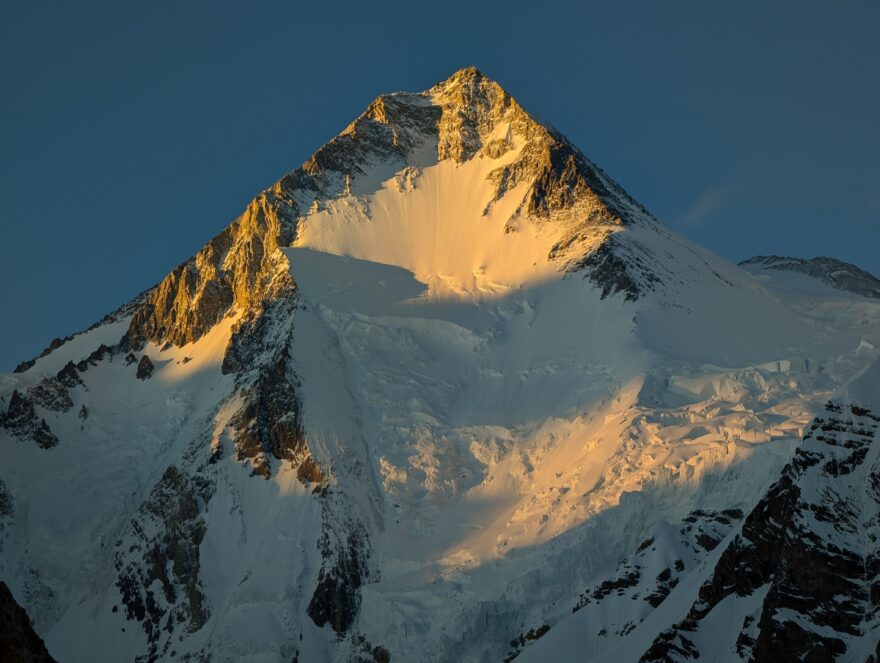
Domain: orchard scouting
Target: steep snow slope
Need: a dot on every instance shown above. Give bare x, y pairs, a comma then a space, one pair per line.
493, 394
613, 607
423, 392
839, 275
107, 523
795, 580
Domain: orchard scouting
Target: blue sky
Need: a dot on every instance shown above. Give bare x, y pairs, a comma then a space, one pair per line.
130, 133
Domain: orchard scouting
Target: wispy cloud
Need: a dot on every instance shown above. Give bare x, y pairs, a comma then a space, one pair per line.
707, 204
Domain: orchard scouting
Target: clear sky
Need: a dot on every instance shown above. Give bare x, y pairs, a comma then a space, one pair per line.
130, 133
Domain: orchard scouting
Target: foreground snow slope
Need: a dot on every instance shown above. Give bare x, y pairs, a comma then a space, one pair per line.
427, 389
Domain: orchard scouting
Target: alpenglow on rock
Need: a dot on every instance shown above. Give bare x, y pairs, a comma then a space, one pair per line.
421, 401
241, 269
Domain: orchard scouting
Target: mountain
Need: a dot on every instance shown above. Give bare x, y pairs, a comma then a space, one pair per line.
796, 580
427, 389
835, 273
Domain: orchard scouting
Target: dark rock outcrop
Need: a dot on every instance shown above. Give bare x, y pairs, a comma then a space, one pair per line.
699, 532
122, 312
69, 375
337, 597
51, 394
366, 652
18, 641
836, 273
640, 585
256, 339
269, 424
102, 352
167, 534
525, 639
145, 368
309, 472
7, 506
814, 552
22, 421
610, 273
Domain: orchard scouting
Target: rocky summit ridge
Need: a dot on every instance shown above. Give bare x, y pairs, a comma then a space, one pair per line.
242, 269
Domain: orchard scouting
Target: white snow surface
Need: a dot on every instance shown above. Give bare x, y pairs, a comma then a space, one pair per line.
512, 435
715, 637
522, 432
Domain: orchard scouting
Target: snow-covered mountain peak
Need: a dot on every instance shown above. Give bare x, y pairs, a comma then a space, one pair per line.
414, 400
483, 197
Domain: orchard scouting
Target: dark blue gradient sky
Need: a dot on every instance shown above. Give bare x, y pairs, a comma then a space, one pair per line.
131, 132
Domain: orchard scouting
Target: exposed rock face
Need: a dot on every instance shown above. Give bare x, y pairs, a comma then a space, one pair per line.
610, 273
22, 421
7, 507
525, 639
836, 273
563, 185
18, 641
267, 427
238, 269
52, 394
700, 531
101, 353
269, 422
241, 269
309, 472
392, 126
69, 376
145, 368
169, 531
241, 274
344, 551
122, 312
615, 605
367, 652
560, 176
811, 545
